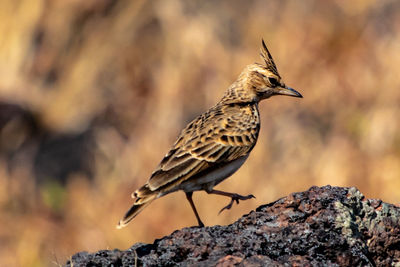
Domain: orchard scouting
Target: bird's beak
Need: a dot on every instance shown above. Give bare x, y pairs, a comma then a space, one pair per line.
287, 91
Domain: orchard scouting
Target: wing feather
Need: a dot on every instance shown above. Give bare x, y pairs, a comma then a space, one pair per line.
162, 177
212, 138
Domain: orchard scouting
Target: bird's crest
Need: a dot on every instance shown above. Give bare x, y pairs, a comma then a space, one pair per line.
266, 56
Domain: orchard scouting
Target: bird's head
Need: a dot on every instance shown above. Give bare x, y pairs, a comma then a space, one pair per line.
259, 81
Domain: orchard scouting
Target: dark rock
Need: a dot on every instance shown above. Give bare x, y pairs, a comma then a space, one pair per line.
324, 226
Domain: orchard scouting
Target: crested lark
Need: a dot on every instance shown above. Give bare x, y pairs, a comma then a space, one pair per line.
215, 144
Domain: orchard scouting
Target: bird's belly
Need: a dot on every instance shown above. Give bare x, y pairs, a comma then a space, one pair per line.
208, 180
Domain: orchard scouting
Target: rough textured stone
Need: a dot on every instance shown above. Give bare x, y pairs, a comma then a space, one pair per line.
329, 226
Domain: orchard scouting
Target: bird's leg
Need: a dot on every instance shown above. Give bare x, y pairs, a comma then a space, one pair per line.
189, 198
233, 196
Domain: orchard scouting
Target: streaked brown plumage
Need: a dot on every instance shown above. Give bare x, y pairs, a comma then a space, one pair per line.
215, 144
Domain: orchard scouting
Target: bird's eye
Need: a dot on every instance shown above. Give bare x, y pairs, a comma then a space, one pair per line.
273, 81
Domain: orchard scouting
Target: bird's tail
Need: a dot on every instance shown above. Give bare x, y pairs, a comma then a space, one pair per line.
144, 196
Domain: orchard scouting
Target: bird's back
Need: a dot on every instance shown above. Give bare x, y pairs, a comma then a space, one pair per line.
221, 135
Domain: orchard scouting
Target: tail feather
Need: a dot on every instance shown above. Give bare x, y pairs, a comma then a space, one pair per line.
143, 198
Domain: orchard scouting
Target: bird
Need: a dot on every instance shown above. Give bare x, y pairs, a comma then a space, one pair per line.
215, 144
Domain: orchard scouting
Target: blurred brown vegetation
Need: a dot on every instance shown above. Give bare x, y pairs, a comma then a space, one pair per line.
93, 93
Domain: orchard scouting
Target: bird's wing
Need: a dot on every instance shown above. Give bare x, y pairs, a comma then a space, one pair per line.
220, 135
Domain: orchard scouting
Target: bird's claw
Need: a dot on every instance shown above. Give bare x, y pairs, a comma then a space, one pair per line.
236, 197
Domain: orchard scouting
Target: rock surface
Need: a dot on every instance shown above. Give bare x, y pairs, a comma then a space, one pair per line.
324, 226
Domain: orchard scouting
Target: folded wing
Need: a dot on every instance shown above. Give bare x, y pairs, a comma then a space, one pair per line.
212, 138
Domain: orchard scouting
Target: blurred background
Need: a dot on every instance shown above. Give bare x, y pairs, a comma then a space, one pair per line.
94, 93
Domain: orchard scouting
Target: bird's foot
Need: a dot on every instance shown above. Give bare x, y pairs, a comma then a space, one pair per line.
236, 197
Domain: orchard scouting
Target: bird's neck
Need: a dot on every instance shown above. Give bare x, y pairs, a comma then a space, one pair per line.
237, 93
